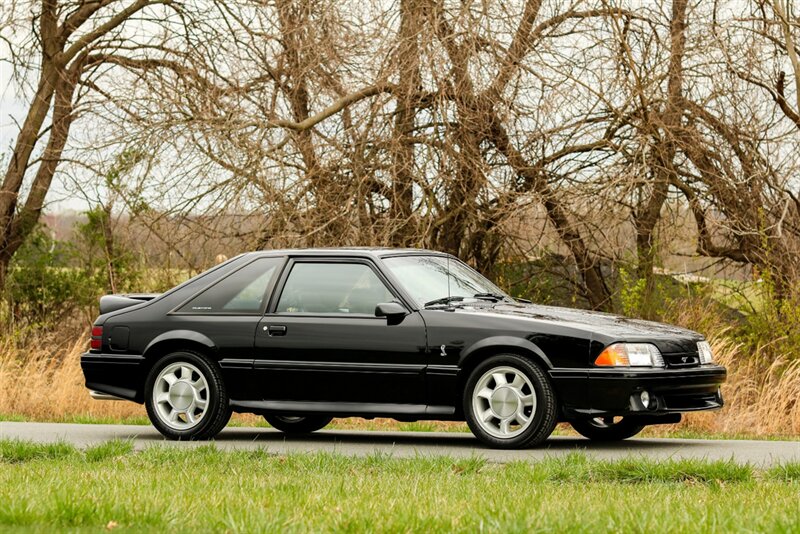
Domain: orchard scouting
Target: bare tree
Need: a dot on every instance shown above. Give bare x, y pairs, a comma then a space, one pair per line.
492, 130
62, 59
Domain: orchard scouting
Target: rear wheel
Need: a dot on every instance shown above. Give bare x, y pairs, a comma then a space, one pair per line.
607, 428
509, 403
292, 424
186, 398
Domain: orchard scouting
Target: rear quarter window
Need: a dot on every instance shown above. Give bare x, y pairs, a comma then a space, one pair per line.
242, 292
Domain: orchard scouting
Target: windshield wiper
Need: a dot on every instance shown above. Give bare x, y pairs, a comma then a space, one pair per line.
493, 297
443, 300
490, 296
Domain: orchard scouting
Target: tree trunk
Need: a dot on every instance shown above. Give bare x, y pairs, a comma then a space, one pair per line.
663, 162
20, 158
292, 19
408, 87
462, 192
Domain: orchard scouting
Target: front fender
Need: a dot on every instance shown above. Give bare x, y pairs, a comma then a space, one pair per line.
495, 343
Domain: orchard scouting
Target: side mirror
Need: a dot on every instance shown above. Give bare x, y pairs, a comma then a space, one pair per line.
390, 310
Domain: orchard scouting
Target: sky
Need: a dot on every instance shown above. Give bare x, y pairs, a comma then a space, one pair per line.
11, 108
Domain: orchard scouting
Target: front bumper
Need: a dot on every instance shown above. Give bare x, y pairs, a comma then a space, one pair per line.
616, 392
119, 375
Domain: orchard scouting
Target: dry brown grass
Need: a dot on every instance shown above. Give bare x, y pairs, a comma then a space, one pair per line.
41, 383
46, 384
760, 397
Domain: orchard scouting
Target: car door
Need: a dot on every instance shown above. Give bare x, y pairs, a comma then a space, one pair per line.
321, 340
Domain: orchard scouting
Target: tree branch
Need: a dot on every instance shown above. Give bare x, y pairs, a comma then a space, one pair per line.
338, 105
107, 27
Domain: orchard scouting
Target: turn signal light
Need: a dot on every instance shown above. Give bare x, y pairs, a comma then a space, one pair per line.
613, 356
630, 355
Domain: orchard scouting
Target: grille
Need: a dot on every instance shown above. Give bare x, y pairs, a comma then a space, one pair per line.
682, 359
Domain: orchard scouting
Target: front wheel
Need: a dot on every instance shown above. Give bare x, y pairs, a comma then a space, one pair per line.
509, 403
185, 397
607, 428
298, 424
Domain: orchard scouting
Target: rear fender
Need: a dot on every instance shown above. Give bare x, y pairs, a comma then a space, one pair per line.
176, 340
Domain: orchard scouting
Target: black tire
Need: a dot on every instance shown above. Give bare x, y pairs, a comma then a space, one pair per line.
217, 412
543, 415
602, 429
291, 424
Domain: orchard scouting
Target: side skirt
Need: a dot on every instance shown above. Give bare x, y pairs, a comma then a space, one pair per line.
344, 409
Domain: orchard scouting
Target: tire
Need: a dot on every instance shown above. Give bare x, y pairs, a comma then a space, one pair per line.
186, 398
509, 403
298, 424
606, 429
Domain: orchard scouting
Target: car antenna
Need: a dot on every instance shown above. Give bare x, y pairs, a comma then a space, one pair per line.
448, 278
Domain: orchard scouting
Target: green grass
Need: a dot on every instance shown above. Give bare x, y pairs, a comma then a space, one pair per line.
46, 487
744, 296
666, 431
83, 419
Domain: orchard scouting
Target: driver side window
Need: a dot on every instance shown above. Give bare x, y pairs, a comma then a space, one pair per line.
338, 288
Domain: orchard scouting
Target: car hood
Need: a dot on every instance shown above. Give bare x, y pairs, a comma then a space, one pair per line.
605, 324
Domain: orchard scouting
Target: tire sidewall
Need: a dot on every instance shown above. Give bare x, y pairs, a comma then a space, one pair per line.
215, 397
541, 387
623, 430
306, 425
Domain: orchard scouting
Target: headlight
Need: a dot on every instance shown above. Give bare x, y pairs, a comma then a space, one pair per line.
630, 355
705, 352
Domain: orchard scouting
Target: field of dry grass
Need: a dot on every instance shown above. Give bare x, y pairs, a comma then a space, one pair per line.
44, 382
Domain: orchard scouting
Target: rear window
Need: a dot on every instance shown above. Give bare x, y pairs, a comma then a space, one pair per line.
242, 292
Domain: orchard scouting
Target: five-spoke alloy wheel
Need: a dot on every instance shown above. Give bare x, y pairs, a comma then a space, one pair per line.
504, 401
180, 395
509, 402
186, 398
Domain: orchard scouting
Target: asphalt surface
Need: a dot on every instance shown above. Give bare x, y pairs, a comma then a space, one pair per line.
410, 444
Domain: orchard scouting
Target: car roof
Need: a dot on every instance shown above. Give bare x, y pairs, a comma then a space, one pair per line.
375, 252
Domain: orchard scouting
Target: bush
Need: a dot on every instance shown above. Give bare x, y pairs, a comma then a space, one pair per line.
43, 285
50, 279
112, 267
775, 322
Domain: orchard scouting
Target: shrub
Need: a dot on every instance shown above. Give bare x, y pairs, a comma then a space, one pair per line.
42, 285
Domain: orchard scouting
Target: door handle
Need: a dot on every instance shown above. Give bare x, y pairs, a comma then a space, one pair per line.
275, 330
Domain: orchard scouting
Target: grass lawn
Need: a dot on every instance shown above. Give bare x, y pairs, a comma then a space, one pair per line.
46, 487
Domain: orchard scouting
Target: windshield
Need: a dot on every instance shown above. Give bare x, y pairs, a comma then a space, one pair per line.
425, 278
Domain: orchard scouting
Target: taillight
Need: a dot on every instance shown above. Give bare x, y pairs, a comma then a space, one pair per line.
97, 337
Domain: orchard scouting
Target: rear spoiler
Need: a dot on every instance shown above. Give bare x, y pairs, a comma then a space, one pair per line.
110, 303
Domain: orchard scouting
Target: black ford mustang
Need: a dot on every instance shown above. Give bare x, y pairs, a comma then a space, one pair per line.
302, 336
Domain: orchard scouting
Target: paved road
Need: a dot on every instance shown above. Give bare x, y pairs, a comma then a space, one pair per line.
405, 444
